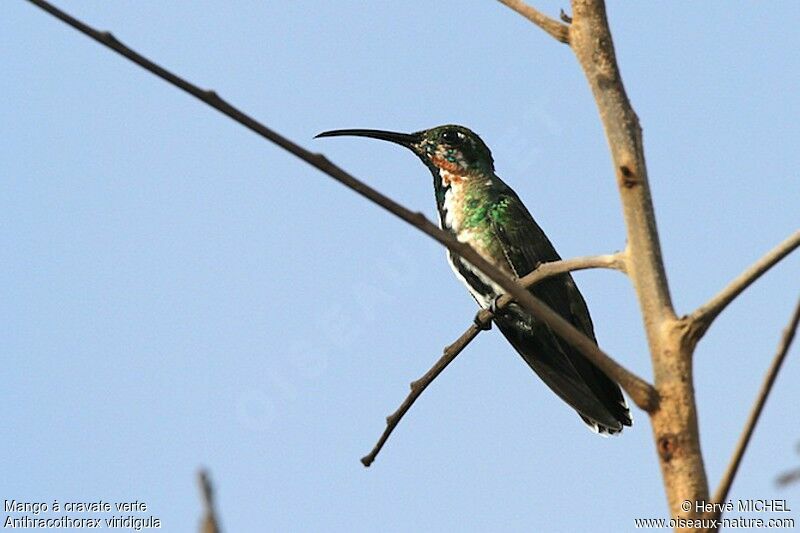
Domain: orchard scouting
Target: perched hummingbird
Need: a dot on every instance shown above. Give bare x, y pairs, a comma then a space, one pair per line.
478, 208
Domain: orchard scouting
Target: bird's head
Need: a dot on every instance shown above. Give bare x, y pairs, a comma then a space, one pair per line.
451, 149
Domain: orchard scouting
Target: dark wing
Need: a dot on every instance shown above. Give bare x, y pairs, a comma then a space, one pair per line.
563, 368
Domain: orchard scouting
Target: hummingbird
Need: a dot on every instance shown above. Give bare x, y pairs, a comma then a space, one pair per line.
478, 208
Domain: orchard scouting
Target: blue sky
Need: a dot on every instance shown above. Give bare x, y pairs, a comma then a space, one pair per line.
179, 293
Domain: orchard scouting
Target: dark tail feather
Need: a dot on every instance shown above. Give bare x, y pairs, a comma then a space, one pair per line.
609, 393
597, 399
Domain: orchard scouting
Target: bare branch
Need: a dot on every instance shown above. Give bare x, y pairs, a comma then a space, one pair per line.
209, 523
558, 31
675, 428
769, 380
592, 44
538, 309
484, 318
700, 320
417, 388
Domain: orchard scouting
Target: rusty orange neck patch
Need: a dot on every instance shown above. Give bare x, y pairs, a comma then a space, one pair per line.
450, 172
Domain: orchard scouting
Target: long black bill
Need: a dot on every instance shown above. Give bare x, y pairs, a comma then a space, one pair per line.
403, 139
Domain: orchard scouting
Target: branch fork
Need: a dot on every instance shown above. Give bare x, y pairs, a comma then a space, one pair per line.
642, 393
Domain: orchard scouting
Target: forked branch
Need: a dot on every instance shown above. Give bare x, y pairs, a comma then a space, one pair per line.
630, 382
700, 320
674, 423
641, 392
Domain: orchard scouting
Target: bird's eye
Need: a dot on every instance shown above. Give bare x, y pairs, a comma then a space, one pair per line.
452, 137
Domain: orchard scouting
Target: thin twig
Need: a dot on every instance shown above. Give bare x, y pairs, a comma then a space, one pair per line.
700, 320
769, 380
482, 321
209, 523
558, 31
640, 391
418, 386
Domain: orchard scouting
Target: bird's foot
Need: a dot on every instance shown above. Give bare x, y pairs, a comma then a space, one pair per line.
494, 308
480, 323
486, 325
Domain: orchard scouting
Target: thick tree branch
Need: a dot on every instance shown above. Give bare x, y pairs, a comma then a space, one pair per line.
674, 422
558, 324
769, 380
590, 39
632, 384
557, 30
700, 320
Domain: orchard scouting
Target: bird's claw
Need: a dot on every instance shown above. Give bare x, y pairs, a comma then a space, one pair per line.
480, 323
493, 307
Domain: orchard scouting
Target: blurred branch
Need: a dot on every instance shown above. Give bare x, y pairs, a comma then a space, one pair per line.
787, 478
700, 320
209, 522
769, 380
791, 476
557, 30
482, 322
640, 392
